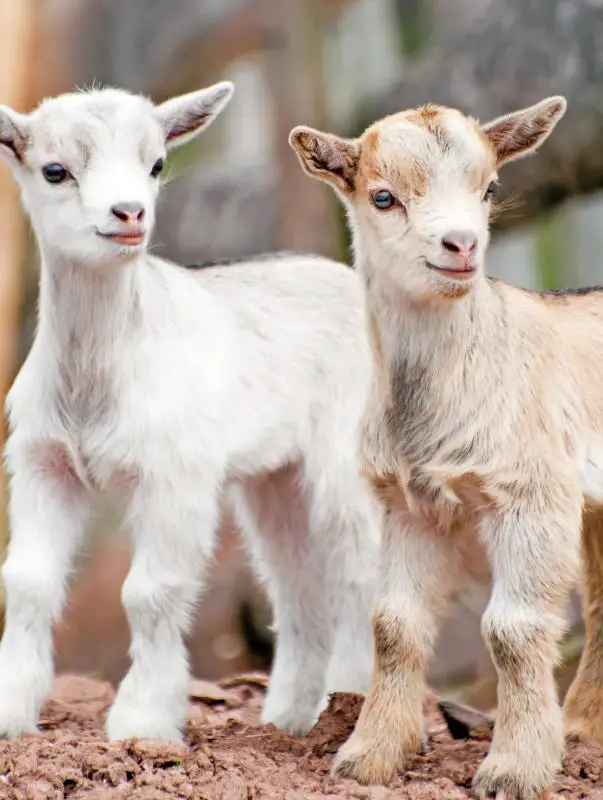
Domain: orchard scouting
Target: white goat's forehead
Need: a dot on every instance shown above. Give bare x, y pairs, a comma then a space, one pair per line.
72, 128
413, 150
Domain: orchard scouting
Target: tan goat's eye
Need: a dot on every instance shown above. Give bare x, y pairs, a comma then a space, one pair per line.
383, 200
491, 190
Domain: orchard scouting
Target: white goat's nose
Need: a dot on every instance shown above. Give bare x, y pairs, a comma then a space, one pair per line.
128, 212
462, 243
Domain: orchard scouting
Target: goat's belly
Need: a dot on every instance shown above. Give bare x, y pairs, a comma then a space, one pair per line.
590, 467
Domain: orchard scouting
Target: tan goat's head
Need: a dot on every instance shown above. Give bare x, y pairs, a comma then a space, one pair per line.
418, 187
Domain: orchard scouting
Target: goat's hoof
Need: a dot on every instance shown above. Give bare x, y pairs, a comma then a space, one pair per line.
133, 723
503, 777
366, 762
14, 722
582, 729
294, 715
15, 728
290, 720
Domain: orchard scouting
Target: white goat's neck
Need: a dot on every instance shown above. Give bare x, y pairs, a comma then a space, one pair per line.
88, 309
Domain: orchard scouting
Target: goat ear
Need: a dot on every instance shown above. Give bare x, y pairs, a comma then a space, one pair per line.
326, 157
520, 133
13, 135
186, 116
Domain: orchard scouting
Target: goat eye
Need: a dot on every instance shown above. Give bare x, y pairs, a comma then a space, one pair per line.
55, 173
384, 200
157, 168
490, 191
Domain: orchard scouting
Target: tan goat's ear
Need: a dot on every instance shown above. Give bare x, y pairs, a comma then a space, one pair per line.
186, 116
520, 133
13, 135
327, 157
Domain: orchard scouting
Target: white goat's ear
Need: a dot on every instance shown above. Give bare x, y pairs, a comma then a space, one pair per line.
520, 133
186, 116
13, 135
327, 157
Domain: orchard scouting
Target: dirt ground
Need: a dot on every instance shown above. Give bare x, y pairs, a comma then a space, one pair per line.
231, 757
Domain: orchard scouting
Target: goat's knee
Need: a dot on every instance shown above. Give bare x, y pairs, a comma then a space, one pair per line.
35, 593
522, 642
158, 603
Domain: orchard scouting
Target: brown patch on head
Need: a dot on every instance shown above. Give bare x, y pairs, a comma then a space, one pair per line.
384, 161
403, 152
370, 143
431, 117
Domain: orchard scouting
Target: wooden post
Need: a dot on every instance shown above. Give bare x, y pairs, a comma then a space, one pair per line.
306, 209
15, 33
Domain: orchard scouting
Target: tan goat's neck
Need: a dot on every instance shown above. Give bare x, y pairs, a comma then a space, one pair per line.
438, 350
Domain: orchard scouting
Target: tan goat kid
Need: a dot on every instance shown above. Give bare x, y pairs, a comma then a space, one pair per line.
483, 438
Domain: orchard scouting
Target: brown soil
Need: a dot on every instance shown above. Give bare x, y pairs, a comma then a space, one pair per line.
231, 757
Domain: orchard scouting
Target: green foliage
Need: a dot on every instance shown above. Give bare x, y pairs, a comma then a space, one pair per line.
549, 252
414, 24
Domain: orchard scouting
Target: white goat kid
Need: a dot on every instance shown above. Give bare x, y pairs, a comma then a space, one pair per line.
176, 388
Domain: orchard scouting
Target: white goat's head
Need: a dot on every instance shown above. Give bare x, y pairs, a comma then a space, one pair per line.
418, 185
88, 164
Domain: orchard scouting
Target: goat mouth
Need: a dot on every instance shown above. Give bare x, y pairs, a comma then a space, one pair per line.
454, 274
132, 239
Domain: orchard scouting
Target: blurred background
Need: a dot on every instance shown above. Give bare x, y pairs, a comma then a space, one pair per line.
336, 64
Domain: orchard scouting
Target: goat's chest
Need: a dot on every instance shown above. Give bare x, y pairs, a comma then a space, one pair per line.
92, 432
437, 484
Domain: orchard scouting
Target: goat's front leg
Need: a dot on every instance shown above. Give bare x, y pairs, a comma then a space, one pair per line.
534, 564
419, 569
173, 538
48, 514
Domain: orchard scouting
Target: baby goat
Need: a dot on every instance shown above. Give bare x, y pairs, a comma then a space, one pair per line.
484, 438
174, 388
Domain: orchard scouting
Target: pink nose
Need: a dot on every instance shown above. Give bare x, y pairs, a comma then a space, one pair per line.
461, 243
128, 212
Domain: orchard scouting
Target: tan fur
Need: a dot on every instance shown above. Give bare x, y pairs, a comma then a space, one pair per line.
584, 702
484, 442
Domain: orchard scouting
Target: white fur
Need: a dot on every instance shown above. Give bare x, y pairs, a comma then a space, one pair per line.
176, 388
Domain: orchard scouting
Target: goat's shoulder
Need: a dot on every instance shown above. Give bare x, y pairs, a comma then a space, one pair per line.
290, 286
274, 271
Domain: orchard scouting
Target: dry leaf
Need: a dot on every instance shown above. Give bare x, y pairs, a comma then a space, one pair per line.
208, 692
246, 679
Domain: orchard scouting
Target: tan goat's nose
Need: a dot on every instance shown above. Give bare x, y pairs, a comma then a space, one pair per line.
128, 212
463, 243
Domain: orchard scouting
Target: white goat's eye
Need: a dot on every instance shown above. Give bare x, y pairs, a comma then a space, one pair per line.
157, 168
384, 199
491, 190
55, 173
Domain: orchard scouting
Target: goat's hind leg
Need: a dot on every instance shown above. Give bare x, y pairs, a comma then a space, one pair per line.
274, 516
353, 558
584, 701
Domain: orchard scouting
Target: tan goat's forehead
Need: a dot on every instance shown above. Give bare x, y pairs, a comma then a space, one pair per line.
414, 145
